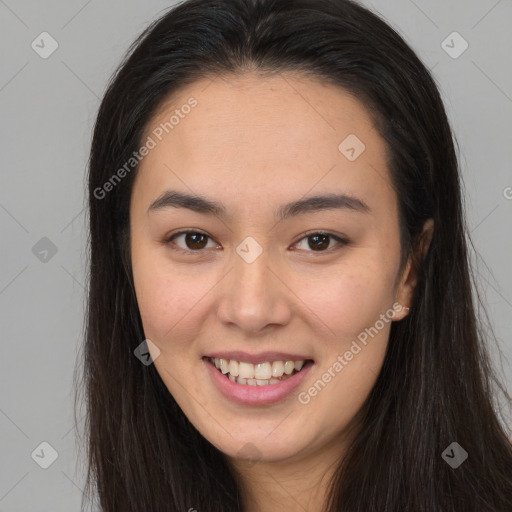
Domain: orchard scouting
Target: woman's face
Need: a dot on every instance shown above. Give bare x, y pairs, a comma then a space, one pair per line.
269, 275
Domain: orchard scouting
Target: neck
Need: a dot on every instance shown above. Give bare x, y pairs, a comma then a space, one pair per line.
299, 483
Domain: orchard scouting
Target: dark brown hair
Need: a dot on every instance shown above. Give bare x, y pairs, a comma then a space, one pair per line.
436, 385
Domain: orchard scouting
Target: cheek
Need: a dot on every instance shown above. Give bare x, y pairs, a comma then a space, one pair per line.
166, 299
353, 356
352, 300
358, 308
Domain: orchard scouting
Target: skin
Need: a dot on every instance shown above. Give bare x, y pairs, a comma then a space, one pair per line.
247, 136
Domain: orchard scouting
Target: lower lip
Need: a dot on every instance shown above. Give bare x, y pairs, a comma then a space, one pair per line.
256, 395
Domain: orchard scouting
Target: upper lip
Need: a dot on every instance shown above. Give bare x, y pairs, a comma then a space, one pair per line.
261, 357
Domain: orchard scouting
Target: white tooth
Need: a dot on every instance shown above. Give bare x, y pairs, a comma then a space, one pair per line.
274, 381
262, 382
277, 369
233, 368
263, 371
251, 382
231, 378
299, 365
217, 363
289, 367
246, 370
240, 380
224, 365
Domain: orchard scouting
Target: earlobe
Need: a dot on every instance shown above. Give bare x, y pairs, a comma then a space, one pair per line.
400, 312
405, 290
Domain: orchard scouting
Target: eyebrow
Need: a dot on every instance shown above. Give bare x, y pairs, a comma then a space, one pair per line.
199, 204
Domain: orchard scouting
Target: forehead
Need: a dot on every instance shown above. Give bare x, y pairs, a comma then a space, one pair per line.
248, 137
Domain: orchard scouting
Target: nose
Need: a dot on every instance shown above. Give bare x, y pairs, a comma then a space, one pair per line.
254, 295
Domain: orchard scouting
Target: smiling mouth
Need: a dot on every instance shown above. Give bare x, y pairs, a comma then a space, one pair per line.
261, 374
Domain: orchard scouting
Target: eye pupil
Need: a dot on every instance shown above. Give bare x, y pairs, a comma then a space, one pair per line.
193, 244
323, 245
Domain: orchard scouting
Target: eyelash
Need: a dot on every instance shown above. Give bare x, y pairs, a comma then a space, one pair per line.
169, 241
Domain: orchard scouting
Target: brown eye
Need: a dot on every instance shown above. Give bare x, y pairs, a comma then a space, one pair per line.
193, 240
319, 242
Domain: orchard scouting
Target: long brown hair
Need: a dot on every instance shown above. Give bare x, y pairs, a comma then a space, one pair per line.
436, 385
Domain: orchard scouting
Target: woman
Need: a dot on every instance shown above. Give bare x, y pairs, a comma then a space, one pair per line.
280, 311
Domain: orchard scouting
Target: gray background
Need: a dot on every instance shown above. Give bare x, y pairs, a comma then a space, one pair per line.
47, 110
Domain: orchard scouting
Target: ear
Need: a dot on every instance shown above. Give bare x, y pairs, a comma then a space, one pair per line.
405, 289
